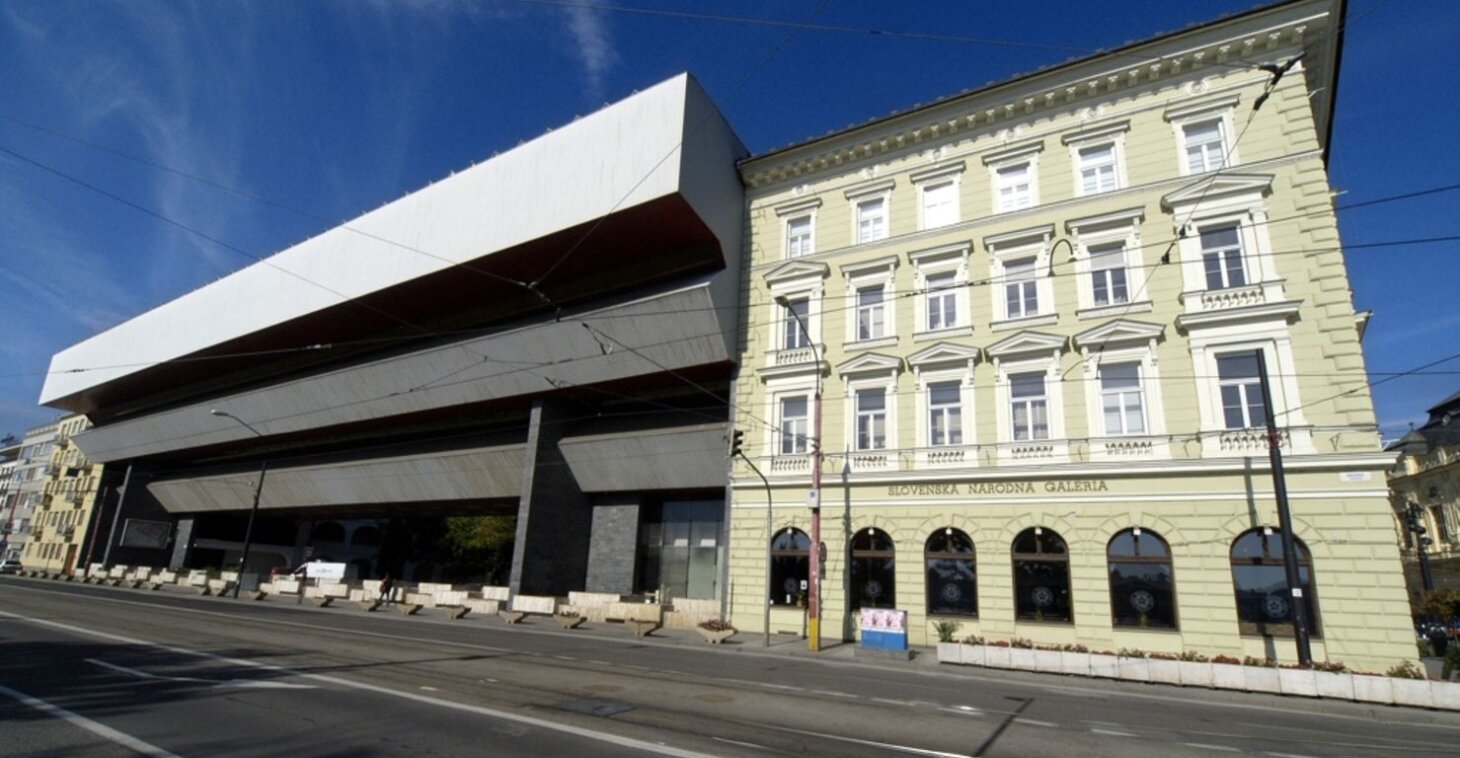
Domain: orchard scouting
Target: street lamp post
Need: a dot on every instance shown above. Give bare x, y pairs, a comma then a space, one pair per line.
813, 621
254, 511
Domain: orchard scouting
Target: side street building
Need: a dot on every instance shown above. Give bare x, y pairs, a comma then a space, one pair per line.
27, 489
63, 516
1426, 482
550, 333
1036, 313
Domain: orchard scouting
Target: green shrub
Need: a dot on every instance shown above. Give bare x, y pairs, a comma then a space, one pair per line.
946, 630
1406, 670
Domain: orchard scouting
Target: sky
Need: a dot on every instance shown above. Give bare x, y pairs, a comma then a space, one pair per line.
297, 116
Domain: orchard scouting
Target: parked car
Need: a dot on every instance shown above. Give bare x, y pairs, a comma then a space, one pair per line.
10, 566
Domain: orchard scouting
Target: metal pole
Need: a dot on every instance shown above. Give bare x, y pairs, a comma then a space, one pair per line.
106, 556
1416, 518
770, 536
95, 521
1285, 518
813, 623
248, 531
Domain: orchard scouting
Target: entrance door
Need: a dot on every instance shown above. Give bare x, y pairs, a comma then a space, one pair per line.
70, 558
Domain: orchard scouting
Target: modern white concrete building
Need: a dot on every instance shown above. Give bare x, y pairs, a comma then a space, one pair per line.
536, 335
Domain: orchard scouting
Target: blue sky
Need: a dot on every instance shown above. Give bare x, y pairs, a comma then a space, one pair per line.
331, 108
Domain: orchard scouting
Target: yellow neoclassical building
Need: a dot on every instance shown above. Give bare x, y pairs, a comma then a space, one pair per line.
1036, 312
62, 521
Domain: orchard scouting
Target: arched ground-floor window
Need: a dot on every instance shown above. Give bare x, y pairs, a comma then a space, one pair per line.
1264, 605
1142, 588
874, 582
790, 567
951, 577
1041, 577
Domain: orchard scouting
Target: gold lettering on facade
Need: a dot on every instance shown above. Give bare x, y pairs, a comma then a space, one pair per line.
996, 488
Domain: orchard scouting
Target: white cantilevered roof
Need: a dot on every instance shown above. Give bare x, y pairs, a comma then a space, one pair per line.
624, 155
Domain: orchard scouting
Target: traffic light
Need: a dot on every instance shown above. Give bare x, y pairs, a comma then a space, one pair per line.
737, 439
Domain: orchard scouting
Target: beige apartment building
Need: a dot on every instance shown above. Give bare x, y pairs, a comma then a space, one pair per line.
1425, 482
68, 494
1035, 311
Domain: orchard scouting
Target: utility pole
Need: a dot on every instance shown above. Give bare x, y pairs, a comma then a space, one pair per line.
1285, 519
813, 621
737, 439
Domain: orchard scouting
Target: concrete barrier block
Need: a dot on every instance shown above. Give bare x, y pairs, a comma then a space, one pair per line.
585, 600
481, 606
1415, 692
491, 592
1334, 686
512, 617
1373, 689
408, 609
369, 605
543, 604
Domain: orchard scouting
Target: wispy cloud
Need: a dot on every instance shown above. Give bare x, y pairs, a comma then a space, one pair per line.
595, 48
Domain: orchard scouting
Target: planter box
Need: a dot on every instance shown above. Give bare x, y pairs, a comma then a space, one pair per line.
1021, 658
1195, 673
1107, 666
1133, 669
1334, 686
1299, 682
1229, 676
1373, 689
568, 622
1076, 664
950, 652
973, 655
998, 657
1414, 692
715, 637
1049, 661
1164, 671
1446, 695
1263, 679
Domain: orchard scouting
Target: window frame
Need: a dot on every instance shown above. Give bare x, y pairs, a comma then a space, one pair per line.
1111, 560
1139, 391
941, 261
951, 556
800, 445
1044, 402
789, 212
1008, 158
864, 556
801, 556
930, 409
1221, 110
1040, 557
1273, 536
792, 237
1015, 247
862, 275
950, 174
881, 415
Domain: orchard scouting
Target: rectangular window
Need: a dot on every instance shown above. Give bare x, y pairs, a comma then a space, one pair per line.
1021, 290
1204, 146
871, 220
1221, 257
1015, 188
1097, 169
1028, 412
870, 313
1120, 399
940, 205
798, 237
792, 335
1241, 391
945, 414
793, 425
1442, 529
1107, 274
871, 419
942, 300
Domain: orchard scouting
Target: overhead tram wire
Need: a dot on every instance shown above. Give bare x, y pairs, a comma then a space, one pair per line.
985, 282
678, 146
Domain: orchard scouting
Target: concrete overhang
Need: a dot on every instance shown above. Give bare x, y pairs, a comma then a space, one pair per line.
644, 190
674, 330
480, 474
662, 459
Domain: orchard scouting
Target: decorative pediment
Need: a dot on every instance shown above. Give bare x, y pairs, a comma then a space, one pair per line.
1026, 342
1219, 185
886, 263
1118, 332
791, 270
1035, 235
870, 363
943, 353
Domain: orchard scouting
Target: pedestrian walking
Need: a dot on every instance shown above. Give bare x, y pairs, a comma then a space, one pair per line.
385, 586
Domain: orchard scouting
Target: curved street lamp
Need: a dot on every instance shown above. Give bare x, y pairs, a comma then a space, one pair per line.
813, 611
253, 512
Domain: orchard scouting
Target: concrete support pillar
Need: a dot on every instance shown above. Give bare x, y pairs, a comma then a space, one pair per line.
614, 545
554, 517
182, 543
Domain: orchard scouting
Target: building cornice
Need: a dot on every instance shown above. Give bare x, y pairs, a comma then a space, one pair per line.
1260, 34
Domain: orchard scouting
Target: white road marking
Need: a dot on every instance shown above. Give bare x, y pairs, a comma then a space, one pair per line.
428, 688
239, 683
1204, 746
1032, 722
854, 741
890, 701
1287, 755
729, 741
780, 687
613, 739
101, 730
963, 710
601, 663
830, 693
565, 658
1111, 733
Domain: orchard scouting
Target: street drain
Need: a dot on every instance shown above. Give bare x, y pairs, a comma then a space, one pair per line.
595, 707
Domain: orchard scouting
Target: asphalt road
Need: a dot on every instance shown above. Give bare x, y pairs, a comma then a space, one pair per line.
88, 671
